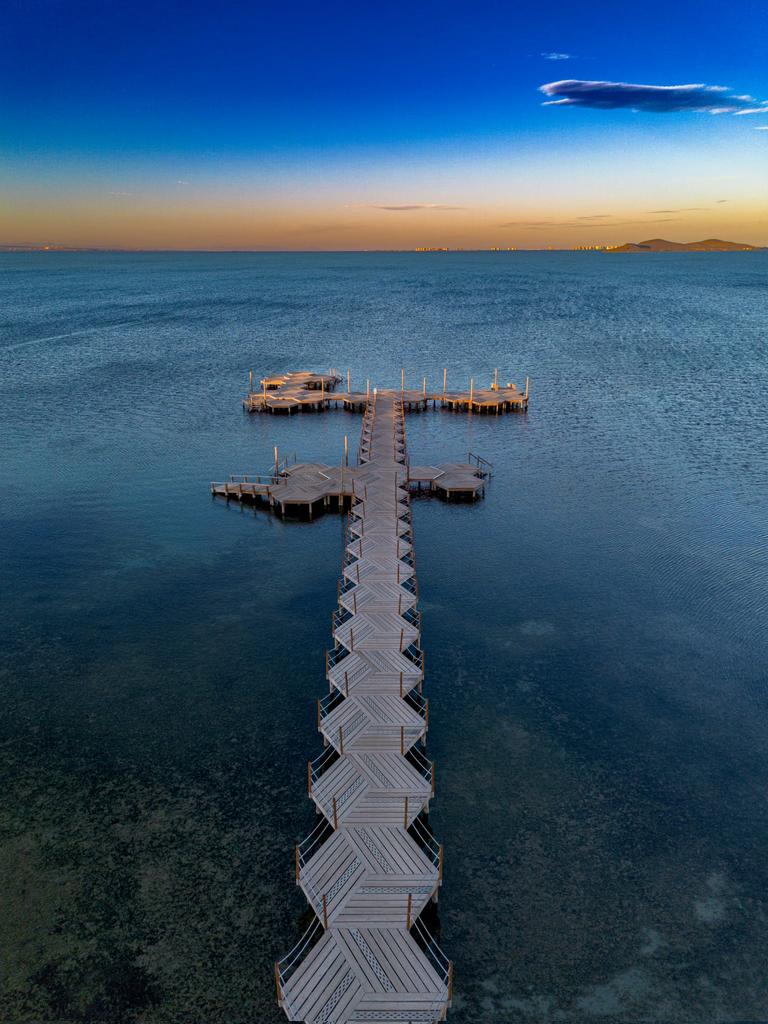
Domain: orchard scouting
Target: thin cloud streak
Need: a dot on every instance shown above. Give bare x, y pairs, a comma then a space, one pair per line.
557, 56
418, 206
654, 99
543, 225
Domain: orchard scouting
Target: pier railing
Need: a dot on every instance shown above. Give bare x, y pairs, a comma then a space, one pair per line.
437, 958
485, 467
422, 835
423, 766
309, 846
317, 768
284, 968
415, 654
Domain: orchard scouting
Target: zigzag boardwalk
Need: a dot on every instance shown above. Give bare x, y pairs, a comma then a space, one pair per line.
371, 878
372, 864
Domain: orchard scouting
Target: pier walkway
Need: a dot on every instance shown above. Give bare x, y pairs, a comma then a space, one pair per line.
372, 864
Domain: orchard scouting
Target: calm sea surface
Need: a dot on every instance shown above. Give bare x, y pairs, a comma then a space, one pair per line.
596, 630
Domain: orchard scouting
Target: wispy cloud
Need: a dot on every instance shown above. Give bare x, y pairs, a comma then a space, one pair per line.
758, 128
682, 209
180, 182
579, 222
557, 56
419, 206
655, 99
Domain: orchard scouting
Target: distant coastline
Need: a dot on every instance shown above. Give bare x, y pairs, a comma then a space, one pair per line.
663, 245
651, 245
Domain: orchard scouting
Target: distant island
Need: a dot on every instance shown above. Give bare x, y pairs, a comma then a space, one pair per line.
662, 245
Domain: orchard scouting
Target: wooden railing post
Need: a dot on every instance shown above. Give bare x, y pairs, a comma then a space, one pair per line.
325, 912
341, 739
440, 862
402, 739
335, 815
278, 986
408, 912
405, 813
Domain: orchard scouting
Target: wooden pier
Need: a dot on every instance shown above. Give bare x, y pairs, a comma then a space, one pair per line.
372, 865
300, 392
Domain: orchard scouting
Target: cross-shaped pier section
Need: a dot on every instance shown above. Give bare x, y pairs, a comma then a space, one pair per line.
372, 864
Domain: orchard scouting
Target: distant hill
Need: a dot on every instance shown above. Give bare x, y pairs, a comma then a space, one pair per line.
662, 245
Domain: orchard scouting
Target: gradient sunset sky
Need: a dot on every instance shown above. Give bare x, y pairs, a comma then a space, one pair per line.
390, 125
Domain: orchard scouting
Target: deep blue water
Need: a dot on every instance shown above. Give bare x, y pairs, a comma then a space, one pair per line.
596, 630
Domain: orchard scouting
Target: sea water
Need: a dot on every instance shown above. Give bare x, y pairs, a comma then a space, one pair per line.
596, 629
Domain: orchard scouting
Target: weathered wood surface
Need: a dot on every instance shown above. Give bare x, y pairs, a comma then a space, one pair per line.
371, 865
370, 874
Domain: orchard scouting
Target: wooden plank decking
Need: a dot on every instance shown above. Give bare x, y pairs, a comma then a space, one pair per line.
372, 866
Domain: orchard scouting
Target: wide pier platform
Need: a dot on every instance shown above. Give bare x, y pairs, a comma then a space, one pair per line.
303, 391
371, 866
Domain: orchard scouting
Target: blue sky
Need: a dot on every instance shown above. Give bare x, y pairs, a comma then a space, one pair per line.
312, 116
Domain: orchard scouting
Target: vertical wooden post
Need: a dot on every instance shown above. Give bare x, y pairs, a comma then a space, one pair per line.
325, 912
351, 638
426, 713
402, 379
264, 386
309, 776
424, 387
341, 739
526, 389
277, 985
354, 601
408, 912
250, 382
471, 390
349, 378
405, 813
402, 741
402, 635
277, 460
346, 684
368, 390
358, 571
335, 816
440, 862
496, 379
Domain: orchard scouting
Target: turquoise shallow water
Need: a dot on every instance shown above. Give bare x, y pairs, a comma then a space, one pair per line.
596, 629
